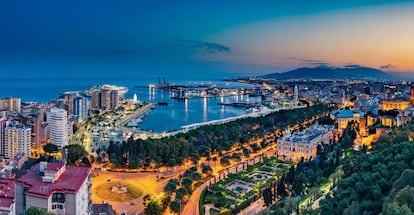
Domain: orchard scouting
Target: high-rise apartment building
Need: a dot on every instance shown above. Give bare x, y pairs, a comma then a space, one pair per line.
36, 132
10, 104
108, 97
68, 97
58, 126
17, 140
3, 124
114, 99
105, 99
80, 107
44, 132
96, 99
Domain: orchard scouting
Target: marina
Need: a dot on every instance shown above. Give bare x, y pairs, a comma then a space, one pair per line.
188, 103
260, 112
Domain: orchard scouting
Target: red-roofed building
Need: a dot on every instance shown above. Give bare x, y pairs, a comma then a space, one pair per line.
7, 197
57, 187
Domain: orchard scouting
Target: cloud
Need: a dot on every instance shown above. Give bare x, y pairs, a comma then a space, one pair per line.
310, 61
207, 46
352, 66
388, 66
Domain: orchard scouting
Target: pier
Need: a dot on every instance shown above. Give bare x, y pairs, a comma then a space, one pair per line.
137, 113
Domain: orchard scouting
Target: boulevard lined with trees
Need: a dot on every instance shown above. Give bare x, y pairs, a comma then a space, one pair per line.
204, 141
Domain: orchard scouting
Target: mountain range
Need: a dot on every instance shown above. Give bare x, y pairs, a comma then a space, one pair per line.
324, 72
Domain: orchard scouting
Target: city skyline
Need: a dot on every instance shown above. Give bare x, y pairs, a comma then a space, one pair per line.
199, 38
206, 107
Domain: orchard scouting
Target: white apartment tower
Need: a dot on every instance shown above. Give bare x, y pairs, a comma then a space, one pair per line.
58, 126
17, 140
296, 96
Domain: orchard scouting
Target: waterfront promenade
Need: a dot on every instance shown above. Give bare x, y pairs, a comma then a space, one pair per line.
262, 112
145, 134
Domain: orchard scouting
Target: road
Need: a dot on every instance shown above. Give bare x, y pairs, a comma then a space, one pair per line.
148, 182
192, 205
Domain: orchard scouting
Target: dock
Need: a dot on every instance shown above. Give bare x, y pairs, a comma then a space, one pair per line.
137, 113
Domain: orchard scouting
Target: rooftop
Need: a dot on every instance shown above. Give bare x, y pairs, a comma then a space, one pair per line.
308, 136
6, 193
18, 127
54, 166
69, 181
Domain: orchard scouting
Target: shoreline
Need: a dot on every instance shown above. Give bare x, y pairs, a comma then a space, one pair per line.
186, 128
265, 111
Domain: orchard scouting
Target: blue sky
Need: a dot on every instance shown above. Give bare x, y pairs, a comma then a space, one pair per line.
187, 37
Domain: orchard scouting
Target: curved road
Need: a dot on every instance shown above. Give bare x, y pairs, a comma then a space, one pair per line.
192, 207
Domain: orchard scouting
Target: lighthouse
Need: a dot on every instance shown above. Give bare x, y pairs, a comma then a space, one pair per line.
135, 98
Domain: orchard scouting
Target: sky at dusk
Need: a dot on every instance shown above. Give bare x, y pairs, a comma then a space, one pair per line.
202, 37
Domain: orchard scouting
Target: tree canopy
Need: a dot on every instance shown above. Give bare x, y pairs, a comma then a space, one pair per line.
37, 211
376, 181
173, 150
75, 152
50, 148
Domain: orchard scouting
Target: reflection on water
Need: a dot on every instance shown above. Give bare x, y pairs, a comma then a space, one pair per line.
204, 109
151, 94
222, 108
187, 111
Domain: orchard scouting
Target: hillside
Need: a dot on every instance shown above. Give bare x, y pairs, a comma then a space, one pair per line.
323, 72
378, 181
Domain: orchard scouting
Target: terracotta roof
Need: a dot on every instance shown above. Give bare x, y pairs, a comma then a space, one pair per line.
54, 166
6, 193
70, 181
